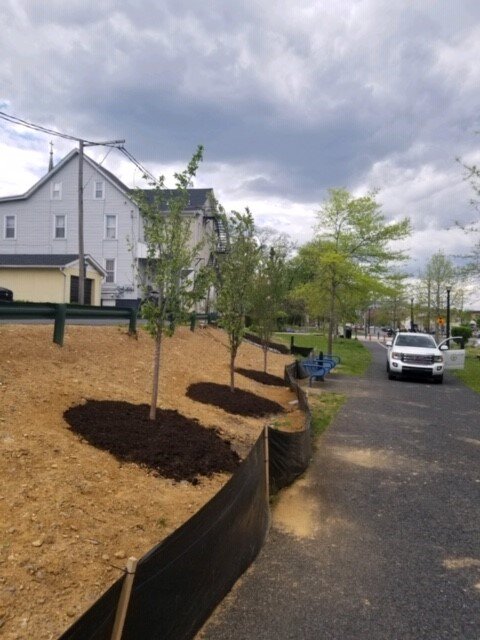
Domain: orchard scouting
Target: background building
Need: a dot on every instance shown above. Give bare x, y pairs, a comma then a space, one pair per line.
39, 229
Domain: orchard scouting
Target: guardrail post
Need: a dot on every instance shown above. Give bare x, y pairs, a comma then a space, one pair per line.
59, 326
132, 327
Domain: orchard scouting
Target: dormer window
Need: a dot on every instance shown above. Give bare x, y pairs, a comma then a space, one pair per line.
99, 190
56, 190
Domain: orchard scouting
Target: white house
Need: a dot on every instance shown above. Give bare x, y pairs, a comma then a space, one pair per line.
44, 221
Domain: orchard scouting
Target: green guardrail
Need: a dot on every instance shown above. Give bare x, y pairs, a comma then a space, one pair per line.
208, 318
59, 313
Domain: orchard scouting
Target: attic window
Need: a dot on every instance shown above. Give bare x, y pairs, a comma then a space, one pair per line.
56, 192
99, 190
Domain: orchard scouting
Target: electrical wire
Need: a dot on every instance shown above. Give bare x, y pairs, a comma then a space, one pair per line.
115, 143
139, 166
37, 127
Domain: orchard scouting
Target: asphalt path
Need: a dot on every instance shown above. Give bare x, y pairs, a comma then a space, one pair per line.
381, 537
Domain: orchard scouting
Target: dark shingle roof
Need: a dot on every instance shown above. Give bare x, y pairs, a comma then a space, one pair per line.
53, 260
37, 260
198, 198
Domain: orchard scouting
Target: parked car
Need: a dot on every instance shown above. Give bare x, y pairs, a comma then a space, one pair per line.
6, 295
415, 354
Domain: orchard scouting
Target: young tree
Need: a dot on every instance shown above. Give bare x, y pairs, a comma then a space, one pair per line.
353, 250
269, 288
170, 254
439, 273
235, 273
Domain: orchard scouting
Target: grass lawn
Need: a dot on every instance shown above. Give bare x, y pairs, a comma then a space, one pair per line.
471, 374
354, 357
324, 408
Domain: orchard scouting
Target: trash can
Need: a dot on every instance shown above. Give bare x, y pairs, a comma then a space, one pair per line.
348, 332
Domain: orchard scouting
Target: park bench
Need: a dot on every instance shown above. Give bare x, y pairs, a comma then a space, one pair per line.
317, 367
314, 371
328, 360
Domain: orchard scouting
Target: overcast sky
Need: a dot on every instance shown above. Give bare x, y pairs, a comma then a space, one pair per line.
288, 98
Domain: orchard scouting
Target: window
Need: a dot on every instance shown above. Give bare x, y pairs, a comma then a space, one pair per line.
110, 269
56, 192
10, 228
60, 227
99, 189
110, 227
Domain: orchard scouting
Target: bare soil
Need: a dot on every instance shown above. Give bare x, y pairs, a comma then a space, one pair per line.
87, 480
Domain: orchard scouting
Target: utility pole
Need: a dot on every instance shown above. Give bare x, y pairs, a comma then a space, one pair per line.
81, 241
449, 288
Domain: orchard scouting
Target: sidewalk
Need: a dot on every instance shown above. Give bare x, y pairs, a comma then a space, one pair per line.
380, 540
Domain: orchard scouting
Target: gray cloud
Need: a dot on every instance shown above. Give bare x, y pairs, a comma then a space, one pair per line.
293, 99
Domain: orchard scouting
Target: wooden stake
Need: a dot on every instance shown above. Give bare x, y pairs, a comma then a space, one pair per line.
124, 599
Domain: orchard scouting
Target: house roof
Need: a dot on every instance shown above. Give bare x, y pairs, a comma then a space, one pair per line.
50, 260
47, 177
198, 198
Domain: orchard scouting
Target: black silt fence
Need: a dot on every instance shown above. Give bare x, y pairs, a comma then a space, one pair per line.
181, 580
276, 346
301, 351
290, 453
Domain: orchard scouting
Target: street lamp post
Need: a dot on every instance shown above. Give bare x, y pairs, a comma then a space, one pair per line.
412, 324
448, 312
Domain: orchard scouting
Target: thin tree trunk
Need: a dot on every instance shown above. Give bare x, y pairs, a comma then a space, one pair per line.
265, 351
156, 375
331, 323
232, 371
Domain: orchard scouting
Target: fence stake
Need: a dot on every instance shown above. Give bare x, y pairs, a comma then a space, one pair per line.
124, 599
267, 463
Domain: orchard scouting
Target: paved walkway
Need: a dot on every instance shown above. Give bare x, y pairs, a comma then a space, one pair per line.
380, 540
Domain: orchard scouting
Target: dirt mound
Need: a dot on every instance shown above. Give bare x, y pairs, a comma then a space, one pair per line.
171, 446
239, 402
262, 377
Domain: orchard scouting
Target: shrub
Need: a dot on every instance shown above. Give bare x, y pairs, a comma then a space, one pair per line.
463, 331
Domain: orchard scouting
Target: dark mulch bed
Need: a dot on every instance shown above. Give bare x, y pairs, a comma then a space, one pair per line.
239, 402
262, 377
172, 446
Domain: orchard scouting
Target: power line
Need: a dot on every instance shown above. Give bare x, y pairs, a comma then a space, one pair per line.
112, 143
139, 166
38, 127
